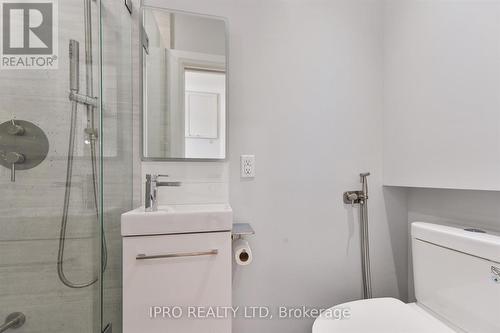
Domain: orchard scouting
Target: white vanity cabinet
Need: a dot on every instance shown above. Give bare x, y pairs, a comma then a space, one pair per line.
176, 259
177, 270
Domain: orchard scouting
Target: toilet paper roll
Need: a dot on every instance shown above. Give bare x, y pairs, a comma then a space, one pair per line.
242, 252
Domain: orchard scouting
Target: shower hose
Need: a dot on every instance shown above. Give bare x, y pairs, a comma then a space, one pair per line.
67, 195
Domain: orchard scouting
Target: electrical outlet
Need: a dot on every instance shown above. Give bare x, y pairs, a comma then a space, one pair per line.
247, 166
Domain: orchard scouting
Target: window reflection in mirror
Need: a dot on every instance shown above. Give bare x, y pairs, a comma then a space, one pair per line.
184, 90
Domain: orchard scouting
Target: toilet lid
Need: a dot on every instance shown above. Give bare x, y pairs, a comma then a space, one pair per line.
378, 315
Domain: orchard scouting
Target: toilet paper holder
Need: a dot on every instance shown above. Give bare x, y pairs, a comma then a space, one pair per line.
241, 230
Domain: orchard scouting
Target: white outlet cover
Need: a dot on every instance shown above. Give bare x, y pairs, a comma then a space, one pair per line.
247, 166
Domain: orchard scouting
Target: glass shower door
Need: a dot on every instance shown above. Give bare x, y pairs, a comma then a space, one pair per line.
117, 136
49, 228
65, 163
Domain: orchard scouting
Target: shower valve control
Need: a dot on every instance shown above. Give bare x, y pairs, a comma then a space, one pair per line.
14, 158
23, 146
351, 197
15, 129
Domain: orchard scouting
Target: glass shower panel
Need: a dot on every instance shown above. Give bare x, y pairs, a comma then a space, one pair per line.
34, 99
117, 148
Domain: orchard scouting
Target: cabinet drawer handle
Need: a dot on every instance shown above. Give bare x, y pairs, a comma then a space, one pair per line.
142, 256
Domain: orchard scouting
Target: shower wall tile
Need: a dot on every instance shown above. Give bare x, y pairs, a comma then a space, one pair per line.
55, 312
37, 273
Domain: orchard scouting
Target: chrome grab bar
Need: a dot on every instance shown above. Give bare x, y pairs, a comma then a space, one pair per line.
142, 256
14, 320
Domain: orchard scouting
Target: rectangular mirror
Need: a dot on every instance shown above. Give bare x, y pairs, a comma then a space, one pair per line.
184, 86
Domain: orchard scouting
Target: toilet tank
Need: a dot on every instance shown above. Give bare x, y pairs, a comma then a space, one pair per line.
457, 275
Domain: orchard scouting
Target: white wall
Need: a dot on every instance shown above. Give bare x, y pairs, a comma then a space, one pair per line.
199, 34
306, 99
441, 102
442, 94
308, 85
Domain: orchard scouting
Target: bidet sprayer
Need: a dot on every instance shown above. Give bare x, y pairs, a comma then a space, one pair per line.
364, 185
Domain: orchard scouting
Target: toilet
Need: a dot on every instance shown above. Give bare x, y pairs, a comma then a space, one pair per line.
457, 287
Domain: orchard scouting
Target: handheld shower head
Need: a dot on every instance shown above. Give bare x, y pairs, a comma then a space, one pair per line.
74, 65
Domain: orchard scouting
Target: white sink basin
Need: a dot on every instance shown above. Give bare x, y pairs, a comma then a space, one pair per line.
177, 219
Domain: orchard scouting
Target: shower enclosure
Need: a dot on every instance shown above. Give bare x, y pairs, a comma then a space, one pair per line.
66, 176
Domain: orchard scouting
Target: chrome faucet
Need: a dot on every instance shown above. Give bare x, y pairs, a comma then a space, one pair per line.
152, 184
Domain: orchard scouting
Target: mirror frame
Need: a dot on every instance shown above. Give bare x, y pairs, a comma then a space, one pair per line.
141, 87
